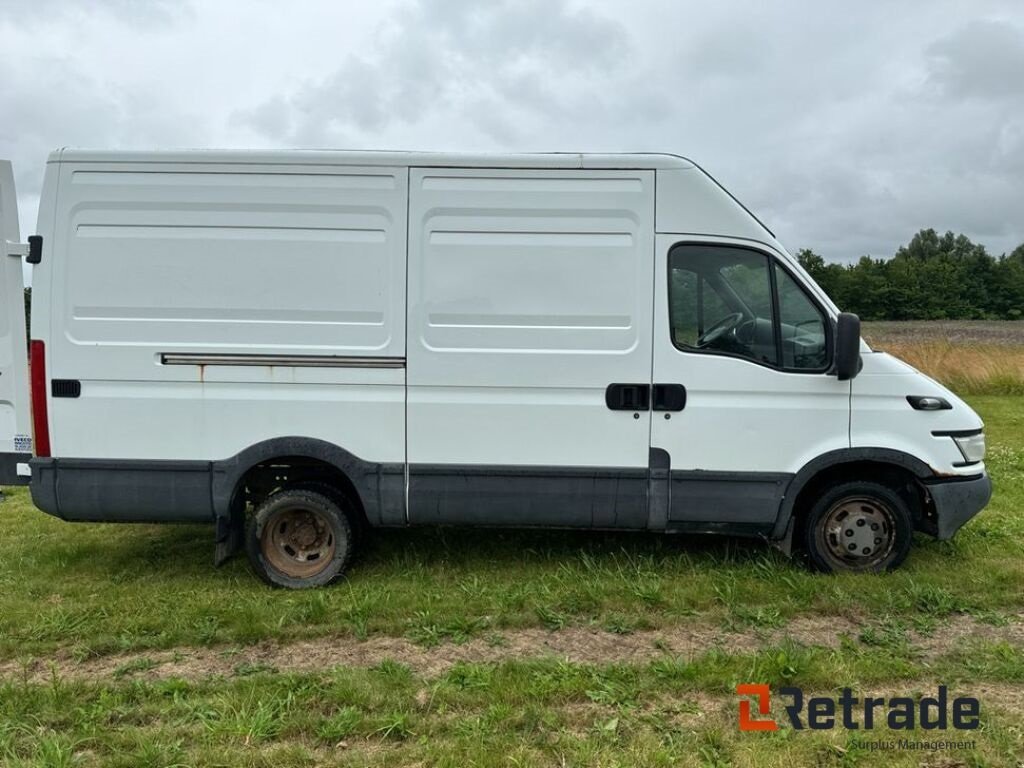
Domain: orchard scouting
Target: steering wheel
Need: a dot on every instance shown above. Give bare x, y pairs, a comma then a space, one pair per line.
719, 329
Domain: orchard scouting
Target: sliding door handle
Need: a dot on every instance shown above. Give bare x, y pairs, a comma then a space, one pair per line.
669, 397
628, 397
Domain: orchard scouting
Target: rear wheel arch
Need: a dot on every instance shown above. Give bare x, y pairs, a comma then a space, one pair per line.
253, 474
299, 473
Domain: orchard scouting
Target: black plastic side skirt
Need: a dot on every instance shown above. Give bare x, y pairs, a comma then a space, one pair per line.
9, 468
144, 491
564, 497
700, 501
112, 490
626, 498
746, 503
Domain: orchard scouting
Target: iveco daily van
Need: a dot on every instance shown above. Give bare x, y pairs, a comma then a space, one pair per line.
292, 346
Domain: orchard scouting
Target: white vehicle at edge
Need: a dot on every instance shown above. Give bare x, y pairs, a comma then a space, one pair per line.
293, 346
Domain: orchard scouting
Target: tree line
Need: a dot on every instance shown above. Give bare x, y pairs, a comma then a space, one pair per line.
934, 277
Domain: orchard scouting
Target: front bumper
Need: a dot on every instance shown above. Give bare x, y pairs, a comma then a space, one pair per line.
954, 501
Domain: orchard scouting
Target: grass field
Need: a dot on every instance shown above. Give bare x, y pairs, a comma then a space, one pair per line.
121, 645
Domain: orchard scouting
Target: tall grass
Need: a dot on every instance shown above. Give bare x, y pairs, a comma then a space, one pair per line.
968, 369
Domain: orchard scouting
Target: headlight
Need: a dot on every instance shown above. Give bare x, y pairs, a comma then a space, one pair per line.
971, 446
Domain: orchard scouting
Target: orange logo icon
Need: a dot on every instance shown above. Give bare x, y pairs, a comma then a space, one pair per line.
761, 691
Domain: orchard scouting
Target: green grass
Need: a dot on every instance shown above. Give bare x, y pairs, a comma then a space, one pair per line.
543, 712
85, 591
97, 589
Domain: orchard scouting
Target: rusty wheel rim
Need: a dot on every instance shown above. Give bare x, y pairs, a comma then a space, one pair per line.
298, 542
858, 532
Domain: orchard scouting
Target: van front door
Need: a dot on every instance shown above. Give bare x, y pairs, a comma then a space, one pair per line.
742, 394
15, 443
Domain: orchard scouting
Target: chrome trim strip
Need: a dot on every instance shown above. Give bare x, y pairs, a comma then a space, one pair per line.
296, 361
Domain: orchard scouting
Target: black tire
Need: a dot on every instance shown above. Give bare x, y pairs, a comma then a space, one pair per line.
859, 526
299, 539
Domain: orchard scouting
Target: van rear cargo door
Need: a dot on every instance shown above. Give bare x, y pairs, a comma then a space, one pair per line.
15, 440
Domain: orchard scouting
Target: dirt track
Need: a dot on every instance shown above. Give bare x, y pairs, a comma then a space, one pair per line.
578, 645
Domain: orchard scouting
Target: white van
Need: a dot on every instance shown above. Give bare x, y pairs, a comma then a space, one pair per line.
295, 345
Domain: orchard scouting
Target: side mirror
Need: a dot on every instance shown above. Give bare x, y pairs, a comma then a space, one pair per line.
847, 346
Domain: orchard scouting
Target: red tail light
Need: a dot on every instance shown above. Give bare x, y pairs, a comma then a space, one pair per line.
40, 419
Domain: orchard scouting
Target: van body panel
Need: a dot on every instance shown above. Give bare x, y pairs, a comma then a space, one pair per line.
268, 263
15, 427
214, 419
193, 259
691, 202
529, 293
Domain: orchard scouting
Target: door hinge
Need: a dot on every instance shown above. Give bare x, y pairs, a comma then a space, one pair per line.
17, 250
32, 251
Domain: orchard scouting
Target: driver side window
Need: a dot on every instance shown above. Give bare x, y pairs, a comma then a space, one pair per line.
720, 300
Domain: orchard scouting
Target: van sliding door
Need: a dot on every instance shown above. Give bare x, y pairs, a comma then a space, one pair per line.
529, 346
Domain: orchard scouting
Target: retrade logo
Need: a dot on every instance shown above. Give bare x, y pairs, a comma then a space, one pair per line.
899, 713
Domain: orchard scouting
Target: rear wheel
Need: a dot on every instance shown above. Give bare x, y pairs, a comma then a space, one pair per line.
298, 538
858, 526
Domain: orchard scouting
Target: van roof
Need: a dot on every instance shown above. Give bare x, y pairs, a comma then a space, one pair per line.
294, 157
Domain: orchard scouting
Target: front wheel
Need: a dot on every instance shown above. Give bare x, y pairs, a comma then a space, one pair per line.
858, 526
298, 538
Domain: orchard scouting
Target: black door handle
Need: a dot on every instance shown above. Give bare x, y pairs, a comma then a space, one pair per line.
628, 397
669, 397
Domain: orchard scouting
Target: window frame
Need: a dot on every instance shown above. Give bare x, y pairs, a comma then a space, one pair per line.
773, 262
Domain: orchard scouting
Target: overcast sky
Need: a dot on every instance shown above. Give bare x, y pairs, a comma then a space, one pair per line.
845, 126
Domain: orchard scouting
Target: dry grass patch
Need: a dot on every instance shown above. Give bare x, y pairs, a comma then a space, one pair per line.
970, 370
972, 357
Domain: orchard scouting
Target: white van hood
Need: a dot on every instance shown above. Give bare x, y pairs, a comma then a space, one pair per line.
917, 383
882, 363
881, 415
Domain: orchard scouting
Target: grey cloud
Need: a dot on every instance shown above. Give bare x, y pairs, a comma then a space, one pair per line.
884, 137
128, 11
452, 58
984, 59
846, 127
59, 106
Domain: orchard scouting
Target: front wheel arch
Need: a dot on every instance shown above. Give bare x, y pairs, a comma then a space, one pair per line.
896, 468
